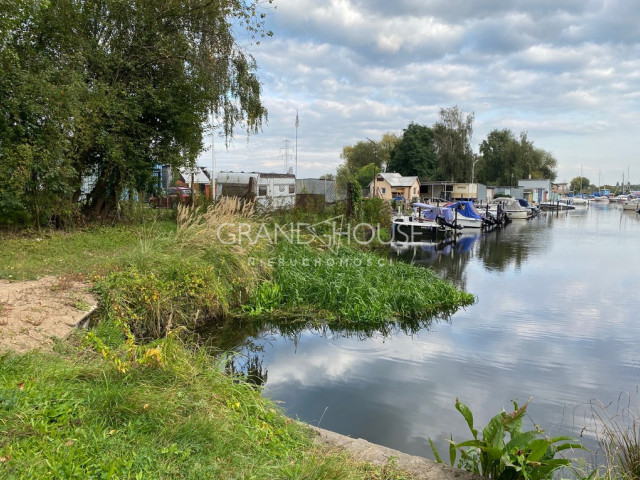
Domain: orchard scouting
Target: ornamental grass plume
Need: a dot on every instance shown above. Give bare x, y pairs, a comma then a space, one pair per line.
201, 228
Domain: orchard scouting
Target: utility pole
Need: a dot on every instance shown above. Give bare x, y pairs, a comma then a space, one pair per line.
213, 163
375, 155
473, 168
297, 125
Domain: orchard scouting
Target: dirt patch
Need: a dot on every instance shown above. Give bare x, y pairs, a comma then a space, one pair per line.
33, 313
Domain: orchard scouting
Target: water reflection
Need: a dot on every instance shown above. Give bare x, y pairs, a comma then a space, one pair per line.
555, 320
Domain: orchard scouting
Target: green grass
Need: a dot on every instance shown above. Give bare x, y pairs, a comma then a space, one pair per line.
85, 252
353, 288
72, 415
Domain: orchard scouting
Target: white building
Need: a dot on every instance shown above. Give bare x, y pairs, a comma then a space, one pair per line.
270, 191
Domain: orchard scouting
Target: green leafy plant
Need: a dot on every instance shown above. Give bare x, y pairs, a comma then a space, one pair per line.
521, 455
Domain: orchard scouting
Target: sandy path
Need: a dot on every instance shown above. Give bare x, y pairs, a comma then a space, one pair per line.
32, 313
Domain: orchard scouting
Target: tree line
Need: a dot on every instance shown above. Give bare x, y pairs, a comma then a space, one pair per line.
443, 152
97, 93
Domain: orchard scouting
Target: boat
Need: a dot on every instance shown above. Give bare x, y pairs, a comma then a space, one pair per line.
578, 200
532, 208
557, 205
510, 206
424, 220
632, 204
468, 216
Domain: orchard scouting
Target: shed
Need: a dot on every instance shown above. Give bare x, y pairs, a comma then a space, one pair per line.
536, 191
469, 191
389, 185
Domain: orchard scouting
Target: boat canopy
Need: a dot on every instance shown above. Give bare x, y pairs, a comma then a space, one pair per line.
467, 209
430, 212
509, 203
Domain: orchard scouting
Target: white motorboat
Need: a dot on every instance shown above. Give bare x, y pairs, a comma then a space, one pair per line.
580, 200
468, 216
633, 204
510, 206
532, 208
424, 220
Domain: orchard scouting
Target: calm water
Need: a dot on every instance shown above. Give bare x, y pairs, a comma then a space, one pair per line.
556, 319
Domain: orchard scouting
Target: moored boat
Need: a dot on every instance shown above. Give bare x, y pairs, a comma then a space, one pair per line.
633, 204
468, 216
532, 208
598, 198
557, 205
424, 220
510, 206
579, 200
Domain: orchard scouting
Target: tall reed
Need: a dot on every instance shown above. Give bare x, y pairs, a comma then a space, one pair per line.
618, 430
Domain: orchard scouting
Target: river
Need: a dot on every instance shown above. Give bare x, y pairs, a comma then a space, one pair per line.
555, 321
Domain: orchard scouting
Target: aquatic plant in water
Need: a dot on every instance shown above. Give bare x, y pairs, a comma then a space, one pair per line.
504, 451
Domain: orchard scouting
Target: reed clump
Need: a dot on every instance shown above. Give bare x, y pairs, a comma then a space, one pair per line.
189, 277
618, 431
197, 228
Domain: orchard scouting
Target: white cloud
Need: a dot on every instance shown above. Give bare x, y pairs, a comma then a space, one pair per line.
568, 73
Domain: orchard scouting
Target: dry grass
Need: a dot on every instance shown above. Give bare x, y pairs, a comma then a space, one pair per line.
191, 277
197, 228
619, 435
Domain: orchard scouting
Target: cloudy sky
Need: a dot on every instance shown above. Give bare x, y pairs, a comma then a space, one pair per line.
567, 72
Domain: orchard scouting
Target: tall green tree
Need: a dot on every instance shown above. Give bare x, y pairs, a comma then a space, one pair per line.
506, 159
415, 154
452, 136
357, 158
498, 157
131, 83
580, 184
37, 108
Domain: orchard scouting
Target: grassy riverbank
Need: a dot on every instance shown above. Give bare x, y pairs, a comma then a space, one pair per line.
132, 400
71, 415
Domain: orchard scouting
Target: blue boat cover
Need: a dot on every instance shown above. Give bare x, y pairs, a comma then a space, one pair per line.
430, 212
466, 209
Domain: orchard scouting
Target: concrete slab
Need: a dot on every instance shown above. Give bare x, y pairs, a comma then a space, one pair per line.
421, 468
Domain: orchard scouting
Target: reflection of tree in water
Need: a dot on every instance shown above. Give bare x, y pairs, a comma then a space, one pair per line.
249, 367
241, 340
497, 255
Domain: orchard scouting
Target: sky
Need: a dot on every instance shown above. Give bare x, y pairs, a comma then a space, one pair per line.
566, 72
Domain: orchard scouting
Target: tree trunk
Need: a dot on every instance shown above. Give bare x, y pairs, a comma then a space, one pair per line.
102, 199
